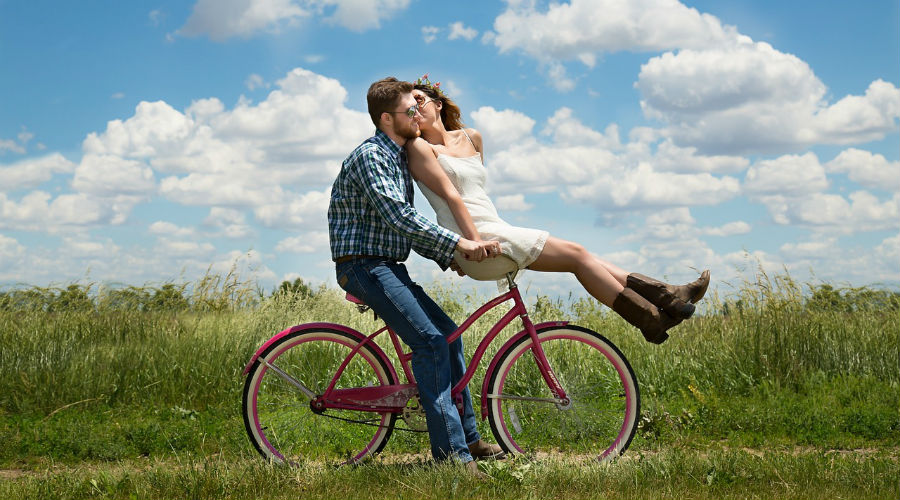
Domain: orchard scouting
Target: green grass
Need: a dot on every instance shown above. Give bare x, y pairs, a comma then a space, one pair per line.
782, 390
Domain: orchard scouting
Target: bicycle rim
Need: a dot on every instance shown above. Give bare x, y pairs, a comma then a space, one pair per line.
278, 417
601, 419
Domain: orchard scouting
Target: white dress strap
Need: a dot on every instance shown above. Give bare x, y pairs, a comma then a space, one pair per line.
469, 138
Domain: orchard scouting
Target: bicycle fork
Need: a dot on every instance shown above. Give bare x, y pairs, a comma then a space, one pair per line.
562, 400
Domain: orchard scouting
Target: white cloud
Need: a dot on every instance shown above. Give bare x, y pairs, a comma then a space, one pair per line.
861, 211
747, 97
223, 19
155, 16
458, 30
672, 158
254, 82
889, 250
80, 247
182, 248
728, 229
296, 211
787, 175
513, 203
232, 223
873, 171
10, 248
246, 265
567, 130
33, 171
580, 28
19, 144
244, 157
169, 229
677, 224
502, 129
310, 242
430, 33
360, 15
11, 145
110, 175
715, 89
36, 212
588, 166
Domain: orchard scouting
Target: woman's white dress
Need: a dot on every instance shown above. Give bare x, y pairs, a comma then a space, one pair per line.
468, 175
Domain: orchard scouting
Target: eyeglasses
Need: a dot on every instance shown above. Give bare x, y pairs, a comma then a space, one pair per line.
411, 112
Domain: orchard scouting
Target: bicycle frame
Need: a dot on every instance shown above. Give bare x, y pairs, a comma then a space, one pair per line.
392, 398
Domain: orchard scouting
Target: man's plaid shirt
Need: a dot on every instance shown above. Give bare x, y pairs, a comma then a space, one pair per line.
371, 210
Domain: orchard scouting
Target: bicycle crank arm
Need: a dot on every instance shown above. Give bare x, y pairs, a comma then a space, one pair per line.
291, 380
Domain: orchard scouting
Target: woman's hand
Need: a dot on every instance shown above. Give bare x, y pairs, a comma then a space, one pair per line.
478, 250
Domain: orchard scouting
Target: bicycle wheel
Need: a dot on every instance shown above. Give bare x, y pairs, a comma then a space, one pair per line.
602, 415
278, 417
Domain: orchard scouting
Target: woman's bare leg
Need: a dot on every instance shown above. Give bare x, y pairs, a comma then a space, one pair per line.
593, 274
617, 272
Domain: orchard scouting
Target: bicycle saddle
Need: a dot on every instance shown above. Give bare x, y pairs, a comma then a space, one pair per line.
353, 299
493, 269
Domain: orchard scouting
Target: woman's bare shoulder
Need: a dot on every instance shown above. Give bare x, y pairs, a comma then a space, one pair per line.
476, 138
420, 146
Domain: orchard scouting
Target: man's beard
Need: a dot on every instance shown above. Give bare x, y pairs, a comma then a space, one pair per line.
409, 132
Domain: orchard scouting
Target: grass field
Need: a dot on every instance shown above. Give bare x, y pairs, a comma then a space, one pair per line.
784, 390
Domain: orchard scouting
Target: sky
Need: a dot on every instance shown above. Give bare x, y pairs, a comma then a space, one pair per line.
155, 141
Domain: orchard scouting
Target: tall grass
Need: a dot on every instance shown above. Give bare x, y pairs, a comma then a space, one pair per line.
183, 347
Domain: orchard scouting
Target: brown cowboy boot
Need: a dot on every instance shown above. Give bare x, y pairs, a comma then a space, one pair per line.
648, 318
693, 291
659, 295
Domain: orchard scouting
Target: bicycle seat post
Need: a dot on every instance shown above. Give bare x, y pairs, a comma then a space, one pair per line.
511, 281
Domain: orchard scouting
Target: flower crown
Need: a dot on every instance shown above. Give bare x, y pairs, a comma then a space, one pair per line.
423, 80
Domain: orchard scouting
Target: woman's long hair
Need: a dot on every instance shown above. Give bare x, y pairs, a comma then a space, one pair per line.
450, 113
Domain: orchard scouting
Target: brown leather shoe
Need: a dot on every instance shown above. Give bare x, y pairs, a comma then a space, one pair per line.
482, 450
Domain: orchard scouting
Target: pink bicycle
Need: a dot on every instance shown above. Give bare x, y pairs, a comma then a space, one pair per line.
326, 392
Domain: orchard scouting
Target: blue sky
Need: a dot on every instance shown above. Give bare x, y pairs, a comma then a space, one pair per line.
143, 142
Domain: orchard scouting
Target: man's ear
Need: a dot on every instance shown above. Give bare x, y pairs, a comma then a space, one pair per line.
385, 121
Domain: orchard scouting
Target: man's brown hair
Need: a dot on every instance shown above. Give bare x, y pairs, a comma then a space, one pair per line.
383, 96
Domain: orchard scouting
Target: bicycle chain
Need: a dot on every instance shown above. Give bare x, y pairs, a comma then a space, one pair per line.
369, 423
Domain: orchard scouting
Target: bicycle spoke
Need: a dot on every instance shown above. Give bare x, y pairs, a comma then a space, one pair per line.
600, 417
277, 415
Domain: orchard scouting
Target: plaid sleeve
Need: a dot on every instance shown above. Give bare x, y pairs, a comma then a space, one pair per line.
381, 183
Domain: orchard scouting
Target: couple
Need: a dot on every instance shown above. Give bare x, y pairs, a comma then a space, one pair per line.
373, 226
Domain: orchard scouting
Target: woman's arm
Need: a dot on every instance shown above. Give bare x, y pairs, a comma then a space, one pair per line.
425, 168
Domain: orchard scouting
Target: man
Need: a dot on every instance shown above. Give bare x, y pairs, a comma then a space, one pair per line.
372, 226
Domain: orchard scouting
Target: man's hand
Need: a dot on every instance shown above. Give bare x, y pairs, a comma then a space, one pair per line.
478, 250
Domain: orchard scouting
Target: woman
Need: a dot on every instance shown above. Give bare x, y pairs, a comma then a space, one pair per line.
447, 163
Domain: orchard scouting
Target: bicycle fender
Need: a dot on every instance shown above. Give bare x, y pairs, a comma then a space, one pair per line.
515, 338
317, 326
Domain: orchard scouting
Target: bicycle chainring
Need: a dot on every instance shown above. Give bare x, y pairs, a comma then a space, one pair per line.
414, 415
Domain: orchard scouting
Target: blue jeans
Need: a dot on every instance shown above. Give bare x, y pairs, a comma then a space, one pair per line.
386, 287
